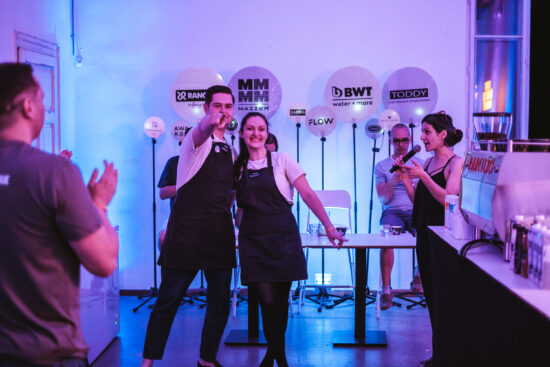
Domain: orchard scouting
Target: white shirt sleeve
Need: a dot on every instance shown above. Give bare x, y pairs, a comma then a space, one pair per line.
191, 158
286, 171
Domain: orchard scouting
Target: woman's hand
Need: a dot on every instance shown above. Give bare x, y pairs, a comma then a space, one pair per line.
415, 171
336, 238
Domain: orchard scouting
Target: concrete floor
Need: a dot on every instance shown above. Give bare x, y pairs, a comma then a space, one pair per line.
309, 338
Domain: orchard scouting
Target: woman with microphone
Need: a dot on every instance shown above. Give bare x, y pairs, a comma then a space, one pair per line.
270, 249
439, 177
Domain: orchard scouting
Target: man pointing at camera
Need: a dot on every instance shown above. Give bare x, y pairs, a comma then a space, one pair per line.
200, 233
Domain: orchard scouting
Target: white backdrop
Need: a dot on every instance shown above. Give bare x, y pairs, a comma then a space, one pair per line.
133, 50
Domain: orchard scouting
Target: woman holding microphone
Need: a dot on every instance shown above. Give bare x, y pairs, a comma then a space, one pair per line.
439, 177
270, 248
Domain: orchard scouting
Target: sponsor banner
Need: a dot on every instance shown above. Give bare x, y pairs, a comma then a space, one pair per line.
179, 129
388, 118
153, 127
187, 92
353, 93
373, 129
320, 120
256, 90
411, 92
297, 112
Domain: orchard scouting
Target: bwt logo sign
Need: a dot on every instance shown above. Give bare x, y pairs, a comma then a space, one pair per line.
409, 93
320, 121
351, 92
253, 90
190, 95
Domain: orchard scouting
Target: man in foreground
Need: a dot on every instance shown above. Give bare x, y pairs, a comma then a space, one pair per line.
50, 224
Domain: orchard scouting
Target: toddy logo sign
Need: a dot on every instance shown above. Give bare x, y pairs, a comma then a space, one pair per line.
409, 93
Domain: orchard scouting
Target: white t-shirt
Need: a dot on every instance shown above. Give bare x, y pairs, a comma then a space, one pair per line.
285, 169
191, 158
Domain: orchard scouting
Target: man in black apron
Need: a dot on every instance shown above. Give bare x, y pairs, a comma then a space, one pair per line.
200, 232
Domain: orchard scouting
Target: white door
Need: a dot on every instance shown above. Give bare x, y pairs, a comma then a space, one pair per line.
43, 56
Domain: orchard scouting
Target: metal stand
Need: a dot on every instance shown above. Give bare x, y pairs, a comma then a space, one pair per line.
154, 290
298, 125
324, 296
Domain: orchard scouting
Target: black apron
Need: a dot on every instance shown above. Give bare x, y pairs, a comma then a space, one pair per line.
270, 248
200, 232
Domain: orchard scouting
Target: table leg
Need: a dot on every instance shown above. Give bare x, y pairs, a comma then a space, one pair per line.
361, 337
252, 336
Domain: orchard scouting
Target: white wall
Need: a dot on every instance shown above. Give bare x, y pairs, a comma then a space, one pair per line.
134, 49
50, 21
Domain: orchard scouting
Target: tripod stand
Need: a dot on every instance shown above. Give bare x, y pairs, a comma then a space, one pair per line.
154, 289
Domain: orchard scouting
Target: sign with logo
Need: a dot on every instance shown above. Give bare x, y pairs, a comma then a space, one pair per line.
179, 129
153, 127
320, 120
388, 119
411, 92
373, 129
187, 92
297, 112
256, 90
353, 93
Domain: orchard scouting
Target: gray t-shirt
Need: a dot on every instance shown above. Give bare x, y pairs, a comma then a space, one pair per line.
400, 200
43, 205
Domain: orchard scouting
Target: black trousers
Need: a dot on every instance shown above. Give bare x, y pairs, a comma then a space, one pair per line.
173, 288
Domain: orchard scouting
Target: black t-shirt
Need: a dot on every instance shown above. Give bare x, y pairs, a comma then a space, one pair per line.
170, 175
44, 204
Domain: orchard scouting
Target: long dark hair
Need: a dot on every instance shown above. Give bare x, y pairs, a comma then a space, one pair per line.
244, 155
441, 121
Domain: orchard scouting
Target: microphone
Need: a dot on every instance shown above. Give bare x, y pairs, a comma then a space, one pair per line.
406, 157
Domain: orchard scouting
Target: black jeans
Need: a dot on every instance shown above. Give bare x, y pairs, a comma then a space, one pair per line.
173, 288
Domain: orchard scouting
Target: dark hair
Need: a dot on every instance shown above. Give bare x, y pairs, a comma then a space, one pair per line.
244, 155
14, 79
272, 139
217, 89
441, 121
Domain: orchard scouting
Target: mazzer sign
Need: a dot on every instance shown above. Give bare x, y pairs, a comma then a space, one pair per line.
256, 90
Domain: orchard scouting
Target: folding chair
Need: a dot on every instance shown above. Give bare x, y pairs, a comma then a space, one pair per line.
340, 200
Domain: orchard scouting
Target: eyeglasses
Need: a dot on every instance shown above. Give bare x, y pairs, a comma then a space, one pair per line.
400, 141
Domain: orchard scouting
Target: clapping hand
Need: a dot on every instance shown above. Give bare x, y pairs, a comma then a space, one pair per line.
103, 190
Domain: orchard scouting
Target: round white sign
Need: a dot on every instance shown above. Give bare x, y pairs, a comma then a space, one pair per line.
388, 118
373, 129
153, 127
321, 120
297, 111
187, 92
256, 89
411, 92
179, 129
353, 93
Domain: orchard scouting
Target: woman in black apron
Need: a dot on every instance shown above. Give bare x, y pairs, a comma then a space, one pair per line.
270, 249
440, 177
